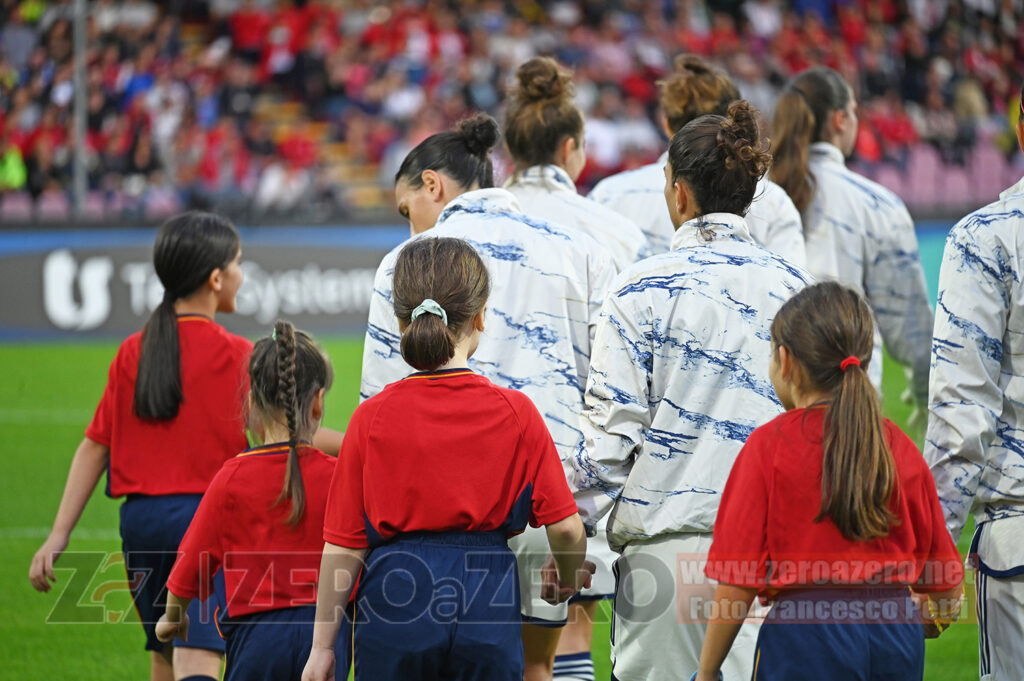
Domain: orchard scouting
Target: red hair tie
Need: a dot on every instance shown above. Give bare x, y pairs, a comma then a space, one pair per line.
850, 361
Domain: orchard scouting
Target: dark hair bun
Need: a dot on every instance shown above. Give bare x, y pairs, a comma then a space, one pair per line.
541, 78
479, 132
740, 139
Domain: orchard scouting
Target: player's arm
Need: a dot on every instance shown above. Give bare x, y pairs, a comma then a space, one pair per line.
339, 569
965, 399
616, 414
87, 466
896, 290
382, 349
786, 231
328, 440
730, 608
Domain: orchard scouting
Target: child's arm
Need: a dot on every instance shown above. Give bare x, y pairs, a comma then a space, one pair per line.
939, 609
568, 542
731, 605
174, 622
339, 569
87, 466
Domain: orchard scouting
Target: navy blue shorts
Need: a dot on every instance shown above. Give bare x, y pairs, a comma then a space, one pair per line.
151, 530
439, 606
274, 645
841, 635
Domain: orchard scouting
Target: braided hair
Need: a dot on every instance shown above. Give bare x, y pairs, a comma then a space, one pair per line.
286, 372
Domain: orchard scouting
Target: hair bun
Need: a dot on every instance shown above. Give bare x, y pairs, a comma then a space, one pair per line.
542, 78
479, 132
693, 64
740, 138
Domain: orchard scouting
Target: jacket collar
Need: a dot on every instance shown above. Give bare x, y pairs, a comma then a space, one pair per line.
723, 225
492, 200
1013, 191
550, 177
828, 152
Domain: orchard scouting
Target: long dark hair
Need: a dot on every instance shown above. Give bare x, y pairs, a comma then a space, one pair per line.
720, 158
286, 371
189, 247
800, 117
821, 326
450, 272
463, 154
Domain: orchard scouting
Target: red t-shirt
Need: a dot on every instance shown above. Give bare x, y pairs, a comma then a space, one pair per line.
179, 456
444, 451
267, 564
765, 536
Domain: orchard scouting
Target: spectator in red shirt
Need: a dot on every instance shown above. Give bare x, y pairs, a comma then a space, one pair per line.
831, 511
261, 521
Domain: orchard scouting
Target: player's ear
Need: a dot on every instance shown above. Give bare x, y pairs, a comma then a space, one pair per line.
433, 183
478, 320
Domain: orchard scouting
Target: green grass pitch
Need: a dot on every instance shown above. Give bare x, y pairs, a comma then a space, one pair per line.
47, 396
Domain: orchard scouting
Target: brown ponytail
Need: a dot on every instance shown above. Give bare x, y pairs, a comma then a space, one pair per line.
721, 158
822, 326
449, 272
286, 372
695, 88
800, 117
541, 113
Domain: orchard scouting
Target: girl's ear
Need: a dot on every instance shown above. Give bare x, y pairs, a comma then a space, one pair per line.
786, 363
478, 320
216, 279
317, 408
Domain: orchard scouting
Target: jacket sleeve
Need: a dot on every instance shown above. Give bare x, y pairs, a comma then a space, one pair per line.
382, 350
965, 399
616, 414
895, 287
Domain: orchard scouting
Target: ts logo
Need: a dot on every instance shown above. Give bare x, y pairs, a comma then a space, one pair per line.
76, 297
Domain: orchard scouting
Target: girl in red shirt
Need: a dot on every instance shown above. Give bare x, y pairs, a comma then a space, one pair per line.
170, 415
831, 512
261, 520
435, 473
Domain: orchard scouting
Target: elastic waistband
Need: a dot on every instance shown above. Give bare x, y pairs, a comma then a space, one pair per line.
161, 497
493, 538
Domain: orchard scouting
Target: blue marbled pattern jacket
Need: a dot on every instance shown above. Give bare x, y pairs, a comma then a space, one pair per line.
678, 380
547, 286
975, 441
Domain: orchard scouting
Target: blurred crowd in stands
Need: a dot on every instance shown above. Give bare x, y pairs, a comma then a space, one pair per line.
303, 109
